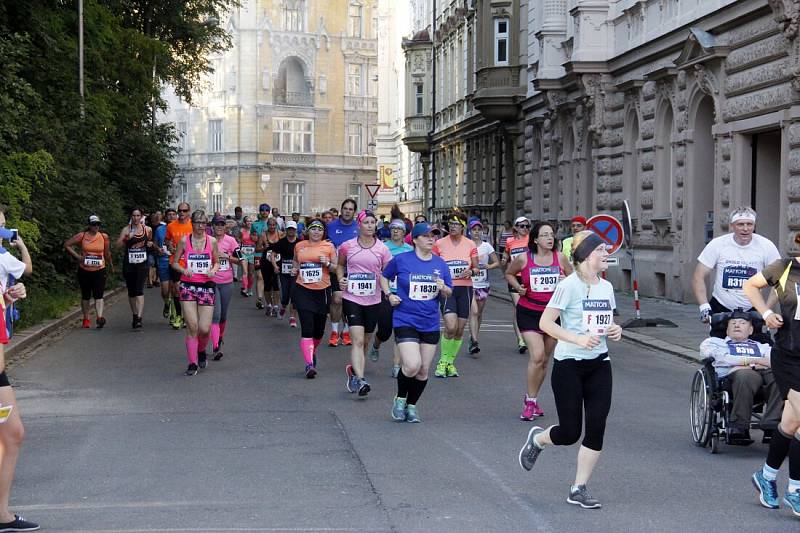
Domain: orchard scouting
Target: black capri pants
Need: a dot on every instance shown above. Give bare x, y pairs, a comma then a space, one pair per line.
312, 309
135, 278
269, 275
384, 320
287, 288
578, 386
92, 283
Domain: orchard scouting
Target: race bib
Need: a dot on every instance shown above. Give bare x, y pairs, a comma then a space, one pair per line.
456, 267
137, 255
199, 263
747, 349
311, 272
248, 250
597, 316
93, 261
482, 276
361, 284
544, 279
422, 287
734, 276
224, 264
286, 267
516, 252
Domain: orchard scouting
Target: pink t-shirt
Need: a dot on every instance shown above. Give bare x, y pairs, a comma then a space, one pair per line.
364, 267
226, 244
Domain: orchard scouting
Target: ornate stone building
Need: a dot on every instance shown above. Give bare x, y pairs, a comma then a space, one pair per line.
290, 114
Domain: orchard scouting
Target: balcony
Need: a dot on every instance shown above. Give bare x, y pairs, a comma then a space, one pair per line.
290, 98
498, 92
416, 134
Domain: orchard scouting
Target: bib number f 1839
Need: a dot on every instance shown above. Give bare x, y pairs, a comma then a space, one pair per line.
422, 287
597, 316
544, 279
734, 276
199, 263
361, 284
137, 255
311, 272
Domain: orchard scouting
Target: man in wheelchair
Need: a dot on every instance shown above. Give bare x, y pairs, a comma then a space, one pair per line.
745, 364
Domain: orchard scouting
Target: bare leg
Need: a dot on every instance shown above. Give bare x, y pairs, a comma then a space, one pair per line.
86, 306
359, 340
12, 433
587, 460
99, 306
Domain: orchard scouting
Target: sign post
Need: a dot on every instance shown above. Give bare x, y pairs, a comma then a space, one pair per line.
372, 190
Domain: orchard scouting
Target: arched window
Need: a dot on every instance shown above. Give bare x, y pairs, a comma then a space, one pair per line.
293, 15
662, 187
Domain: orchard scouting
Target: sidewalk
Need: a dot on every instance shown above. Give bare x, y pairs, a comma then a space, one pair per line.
683, 341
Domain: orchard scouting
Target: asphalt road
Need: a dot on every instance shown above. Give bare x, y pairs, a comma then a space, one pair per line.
119, 440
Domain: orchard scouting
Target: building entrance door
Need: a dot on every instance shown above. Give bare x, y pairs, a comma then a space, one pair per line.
765, 181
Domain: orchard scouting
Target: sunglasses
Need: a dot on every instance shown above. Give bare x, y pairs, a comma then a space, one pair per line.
525, 226
183, 210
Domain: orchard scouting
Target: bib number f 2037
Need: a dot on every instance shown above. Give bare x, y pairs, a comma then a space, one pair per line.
597, 316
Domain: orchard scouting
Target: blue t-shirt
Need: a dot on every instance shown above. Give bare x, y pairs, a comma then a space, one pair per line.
394, 249
385, 233
338, 232
159, 236
416, 282
257, 228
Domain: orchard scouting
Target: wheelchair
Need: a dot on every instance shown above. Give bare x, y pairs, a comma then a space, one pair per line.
710, 399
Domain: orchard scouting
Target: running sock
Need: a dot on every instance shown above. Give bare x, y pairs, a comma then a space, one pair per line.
202, 342
769, 473
415, 391
317, 342
531, 398
446, 344
778, 450
214, 336
404, 384
177, 302
346, 328
455, 347
191, 349
334, 327
307, 347
222, 330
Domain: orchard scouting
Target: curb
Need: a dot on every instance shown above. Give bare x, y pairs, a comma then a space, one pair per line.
36, 336
642, 340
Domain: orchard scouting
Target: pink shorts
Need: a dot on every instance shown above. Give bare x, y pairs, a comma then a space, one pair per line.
481, 294
197, 292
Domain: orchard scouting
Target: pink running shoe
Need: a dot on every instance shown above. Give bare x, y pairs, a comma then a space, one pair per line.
537, 411
292, 322
529, 412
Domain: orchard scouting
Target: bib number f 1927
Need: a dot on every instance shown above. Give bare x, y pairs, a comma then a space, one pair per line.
597, 316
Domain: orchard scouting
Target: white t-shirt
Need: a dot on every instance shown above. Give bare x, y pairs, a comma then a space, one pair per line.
481, 281
734, 264
584, 309
9, 265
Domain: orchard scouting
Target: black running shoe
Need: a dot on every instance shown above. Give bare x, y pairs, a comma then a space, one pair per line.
137, 322
191, 371
19, 524
363, 387
218, 355
202, 359
101, 321
165, 311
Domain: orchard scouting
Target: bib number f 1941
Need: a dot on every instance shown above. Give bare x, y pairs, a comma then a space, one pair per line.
361, 284
597, 316
422, 287
199, 263
544, 279
311, 272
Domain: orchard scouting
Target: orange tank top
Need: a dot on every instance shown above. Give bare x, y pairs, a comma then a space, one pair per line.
93, 251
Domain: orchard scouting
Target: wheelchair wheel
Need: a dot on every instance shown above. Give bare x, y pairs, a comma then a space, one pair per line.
701, 414
713, 443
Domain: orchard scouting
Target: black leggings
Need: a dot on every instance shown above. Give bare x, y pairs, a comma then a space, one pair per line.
384, 321
92, 282
287, 288
134, 280
312, 325
578, 386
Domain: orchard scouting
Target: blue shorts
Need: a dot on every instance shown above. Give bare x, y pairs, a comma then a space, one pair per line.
163, 271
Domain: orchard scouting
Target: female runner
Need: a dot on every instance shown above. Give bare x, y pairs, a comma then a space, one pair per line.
421, 277
136, 238
223, 290
540, 269
95, 254
516, 246
198, 263
282, 260
487, 260
266, 241
248, 246
311, 265
581, 378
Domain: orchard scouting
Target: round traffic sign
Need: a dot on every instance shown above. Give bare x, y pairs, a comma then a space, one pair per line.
609, 229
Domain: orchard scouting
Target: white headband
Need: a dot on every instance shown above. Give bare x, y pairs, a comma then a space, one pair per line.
743, 216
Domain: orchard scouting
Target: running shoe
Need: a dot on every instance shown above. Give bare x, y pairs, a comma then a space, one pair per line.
275, 311
395, 371
363, 387
537, 410
334, 340
530, 451
399, 409
192, 370
268, 311
293, 322
352, 380
311, 372
244, 293
19, 524
101, 321
373, 353
522, 347
412, 415
474, 349
282, 313
452, 371
792, 499
133, 322
441, 369
580, 496
86, 323
346, 338
176, 323
767, 490
528, 412
259, 304
218, 355
165, 311
137, 322
202, 359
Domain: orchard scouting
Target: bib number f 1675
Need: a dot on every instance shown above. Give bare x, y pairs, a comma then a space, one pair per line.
311, 272
361, 284
597, 316
422, 287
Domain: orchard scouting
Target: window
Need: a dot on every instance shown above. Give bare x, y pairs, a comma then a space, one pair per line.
219, 75
372, 85
501, 41
215, 135
180, 131
354, 136
354, 192
355, 13
371, 144
293, 196
216, 204
354, 79
293, 135
184, 190
292, 15
420, 99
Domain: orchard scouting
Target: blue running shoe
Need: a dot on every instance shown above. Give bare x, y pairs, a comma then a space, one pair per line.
792, 499
399, 409
352, 380
412, 415
767, 490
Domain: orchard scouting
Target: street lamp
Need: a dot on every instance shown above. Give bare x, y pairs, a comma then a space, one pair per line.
80, 57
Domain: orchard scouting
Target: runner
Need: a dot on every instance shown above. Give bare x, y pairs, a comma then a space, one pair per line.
421, 278
396, 245
12, 431
461, 257
137, 239
282, 260
198, 263
248, 260
541, 268
228, 249
487, 260
361, 261
264, 247
259, 227
311, 265
784, 276
176, 231
516, 246
161, 254
581, 378
340, 230
95, 254
576, 225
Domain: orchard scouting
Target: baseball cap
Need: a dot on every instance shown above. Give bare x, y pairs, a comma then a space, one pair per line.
218, 219
421, 228
94, 219
520, 220
264, 207
475, 223
579, 219
291, 224
741, 314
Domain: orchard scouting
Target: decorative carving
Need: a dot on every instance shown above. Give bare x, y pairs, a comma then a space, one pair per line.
787, 15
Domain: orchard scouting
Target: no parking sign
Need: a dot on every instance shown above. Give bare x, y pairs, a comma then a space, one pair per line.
609, 229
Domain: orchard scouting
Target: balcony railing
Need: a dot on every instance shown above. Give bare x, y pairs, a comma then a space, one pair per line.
496, 77
418, 126
280, 97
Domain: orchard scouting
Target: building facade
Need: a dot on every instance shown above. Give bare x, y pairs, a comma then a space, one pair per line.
684, 109
289, 116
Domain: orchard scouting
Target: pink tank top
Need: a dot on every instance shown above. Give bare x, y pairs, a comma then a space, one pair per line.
541, 282
198, 261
